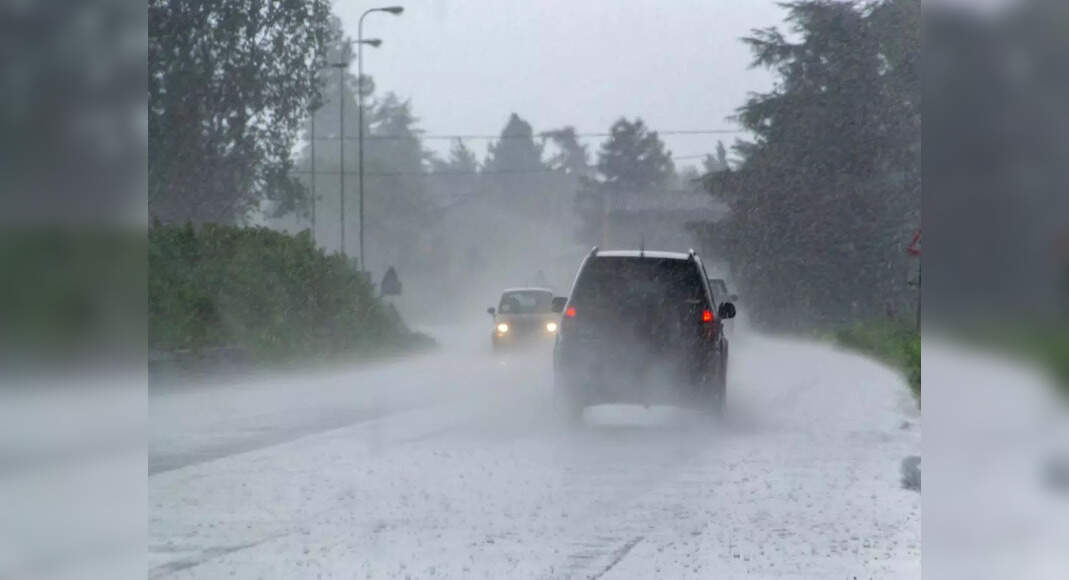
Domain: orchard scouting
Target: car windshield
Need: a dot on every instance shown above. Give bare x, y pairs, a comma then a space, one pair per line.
633, 280
526, 302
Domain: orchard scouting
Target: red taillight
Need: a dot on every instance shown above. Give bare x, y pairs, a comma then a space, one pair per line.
707, 315
570, 312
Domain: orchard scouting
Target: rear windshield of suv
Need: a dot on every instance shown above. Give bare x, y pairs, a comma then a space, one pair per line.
526, 302
625, 280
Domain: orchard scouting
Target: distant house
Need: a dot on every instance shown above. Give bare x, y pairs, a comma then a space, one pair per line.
660, 221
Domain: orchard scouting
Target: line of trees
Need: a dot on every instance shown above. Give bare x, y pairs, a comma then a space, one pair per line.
411, 191
823, 200
244, 129
237, 88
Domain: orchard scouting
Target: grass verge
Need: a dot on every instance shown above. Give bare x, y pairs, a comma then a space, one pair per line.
896, 344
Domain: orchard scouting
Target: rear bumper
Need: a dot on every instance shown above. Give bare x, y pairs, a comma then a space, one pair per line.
631, 377
609, 392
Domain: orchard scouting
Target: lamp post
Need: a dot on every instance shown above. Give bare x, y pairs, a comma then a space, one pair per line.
341, 66
396, 11
312, 144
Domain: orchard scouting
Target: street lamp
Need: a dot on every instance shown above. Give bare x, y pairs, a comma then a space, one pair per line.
312, 142
396, 11
342, 66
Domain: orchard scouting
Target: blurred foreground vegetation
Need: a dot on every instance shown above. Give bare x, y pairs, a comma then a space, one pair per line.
1052, 350
71, 294
1045, 345
273, 296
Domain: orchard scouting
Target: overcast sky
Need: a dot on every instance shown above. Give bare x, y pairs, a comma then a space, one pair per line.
467, 64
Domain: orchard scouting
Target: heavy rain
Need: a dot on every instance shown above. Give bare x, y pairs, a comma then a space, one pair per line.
501, 289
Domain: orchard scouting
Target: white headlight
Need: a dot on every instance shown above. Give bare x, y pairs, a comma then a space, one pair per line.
551, 327
502, 328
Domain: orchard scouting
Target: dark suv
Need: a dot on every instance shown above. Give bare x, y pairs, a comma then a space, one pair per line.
641, 327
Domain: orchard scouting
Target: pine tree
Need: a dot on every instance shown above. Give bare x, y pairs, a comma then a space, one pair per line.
634, 159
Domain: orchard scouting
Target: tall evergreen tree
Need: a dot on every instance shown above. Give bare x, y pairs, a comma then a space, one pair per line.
634, 158
461, 161
397, 211
516, 151
828, 185
393, 143
572, 157
715, 164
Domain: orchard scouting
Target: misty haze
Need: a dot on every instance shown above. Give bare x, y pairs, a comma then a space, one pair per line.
552, 290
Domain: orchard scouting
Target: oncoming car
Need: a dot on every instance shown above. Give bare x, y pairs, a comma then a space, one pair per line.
523, 315
642, 327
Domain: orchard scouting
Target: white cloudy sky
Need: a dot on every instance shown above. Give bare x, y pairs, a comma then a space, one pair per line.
468, 64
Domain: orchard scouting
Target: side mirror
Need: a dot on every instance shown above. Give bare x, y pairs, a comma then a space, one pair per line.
733, 297
558, 303
491, 311
726, 310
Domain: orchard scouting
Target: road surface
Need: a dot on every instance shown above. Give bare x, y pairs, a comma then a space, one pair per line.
452, 465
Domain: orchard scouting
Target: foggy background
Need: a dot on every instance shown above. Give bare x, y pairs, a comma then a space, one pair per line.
74, 141
600, 64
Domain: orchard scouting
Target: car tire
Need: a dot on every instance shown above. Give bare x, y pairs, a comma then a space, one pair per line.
567, 407
720, 392
714, 394
572, 414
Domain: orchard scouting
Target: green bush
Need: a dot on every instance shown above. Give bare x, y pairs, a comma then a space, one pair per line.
894, 343
274, 295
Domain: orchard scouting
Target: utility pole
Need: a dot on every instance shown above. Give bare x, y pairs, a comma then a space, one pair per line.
919, 295
341, 66
914, 250
312, 132
360, 128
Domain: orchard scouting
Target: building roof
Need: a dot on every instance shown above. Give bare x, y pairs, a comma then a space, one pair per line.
527, 289
643, 254
666, 202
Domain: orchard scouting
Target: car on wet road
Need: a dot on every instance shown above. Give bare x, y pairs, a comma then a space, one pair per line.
523, 316
642, 327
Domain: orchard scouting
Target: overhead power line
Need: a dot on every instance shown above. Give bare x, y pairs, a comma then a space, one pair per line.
694, 156
467, 173
473, 137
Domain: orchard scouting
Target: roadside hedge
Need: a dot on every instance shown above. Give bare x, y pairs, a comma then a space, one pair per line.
275, 296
